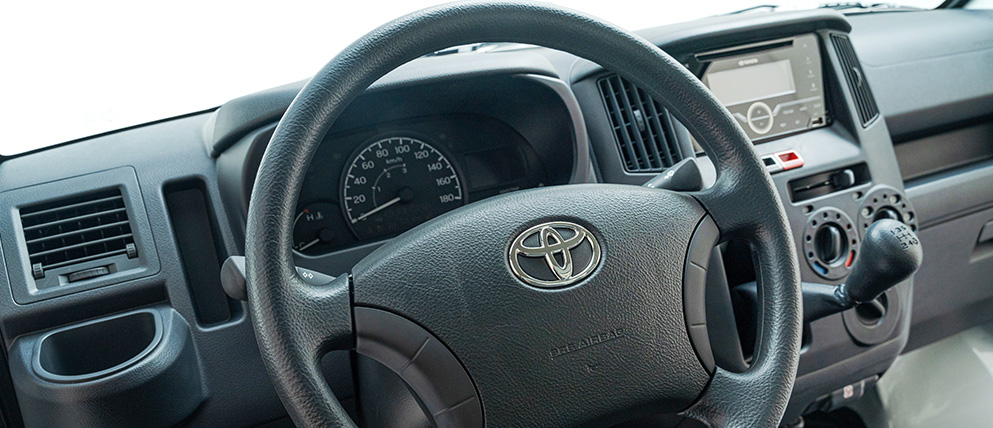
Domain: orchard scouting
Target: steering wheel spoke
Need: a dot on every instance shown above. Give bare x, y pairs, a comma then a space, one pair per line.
733, 206
320, 316
322, 313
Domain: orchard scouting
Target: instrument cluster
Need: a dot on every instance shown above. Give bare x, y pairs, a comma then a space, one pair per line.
375, 183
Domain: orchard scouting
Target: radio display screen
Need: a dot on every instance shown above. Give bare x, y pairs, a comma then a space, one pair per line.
768, 80
771, 92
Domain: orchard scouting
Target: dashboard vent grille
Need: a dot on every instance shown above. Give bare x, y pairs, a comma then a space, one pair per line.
864, 102
77, 229
641, 127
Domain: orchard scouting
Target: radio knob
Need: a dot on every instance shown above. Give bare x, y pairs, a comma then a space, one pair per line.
760, 117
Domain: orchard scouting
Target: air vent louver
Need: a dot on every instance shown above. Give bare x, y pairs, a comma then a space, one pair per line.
641, 127
77, 229
859, 88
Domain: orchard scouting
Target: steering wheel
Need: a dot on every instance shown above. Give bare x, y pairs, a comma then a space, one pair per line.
567, 306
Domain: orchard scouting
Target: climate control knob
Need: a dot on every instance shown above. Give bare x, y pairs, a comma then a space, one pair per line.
886, 203
830, 243
887, 213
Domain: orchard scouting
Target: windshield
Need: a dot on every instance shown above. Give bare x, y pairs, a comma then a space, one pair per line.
74, 69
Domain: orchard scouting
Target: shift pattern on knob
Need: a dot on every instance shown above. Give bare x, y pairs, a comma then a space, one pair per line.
891, 252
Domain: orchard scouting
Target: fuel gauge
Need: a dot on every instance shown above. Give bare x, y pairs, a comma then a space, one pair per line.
319, 228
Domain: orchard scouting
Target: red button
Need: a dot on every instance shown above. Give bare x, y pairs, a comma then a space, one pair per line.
790, 159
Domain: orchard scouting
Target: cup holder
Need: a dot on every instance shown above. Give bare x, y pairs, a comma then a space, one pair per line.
95, 349
138, 368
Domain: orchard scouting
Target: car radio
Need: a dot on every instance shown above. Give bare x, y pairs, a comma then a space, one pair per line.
772, 88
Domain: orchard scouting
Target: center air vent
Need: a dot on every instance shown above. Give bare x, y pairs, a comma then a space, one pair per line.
864, 102
641, 126
77, 229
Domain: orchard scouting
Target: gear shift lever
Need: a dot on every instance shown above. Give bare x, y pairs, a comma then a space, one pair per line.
891, 253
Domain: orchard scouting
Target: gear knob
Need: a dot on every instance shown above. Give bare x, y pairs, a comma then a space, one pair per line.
891, 253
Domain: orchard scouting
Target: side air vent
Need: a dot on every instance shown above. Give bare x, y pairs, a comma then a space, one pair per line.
864, 101
641, 126
76, 230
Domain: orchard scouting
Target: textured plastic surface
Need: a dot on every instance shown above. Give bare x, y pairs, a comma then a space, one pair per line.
943, 55
943, 150
192, 224
97, 348
951, 290
87, 375
700, 249
157, 154
874, 330
423, 362
243, 115
616, 320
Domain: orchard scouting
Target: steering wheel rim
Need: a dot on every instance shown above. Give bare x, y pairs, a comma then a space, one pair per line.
296, 322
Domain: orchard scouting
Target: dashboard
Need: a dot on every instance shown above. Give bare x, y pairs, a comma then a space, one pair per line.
823, 96
395, 175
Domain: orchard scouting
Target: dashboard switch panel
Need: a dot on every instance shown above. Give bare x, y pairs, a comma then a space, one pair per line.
771, 164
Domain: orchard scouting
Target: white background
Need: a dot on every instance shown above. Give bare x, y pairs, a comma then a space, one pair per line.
77, 68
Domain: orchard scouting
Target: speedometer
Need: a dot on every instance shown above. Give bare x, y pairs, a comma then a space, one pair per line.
396, 183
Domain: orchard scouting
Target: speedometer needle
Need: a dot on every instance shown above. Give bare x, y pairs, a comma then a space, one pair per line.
376, 210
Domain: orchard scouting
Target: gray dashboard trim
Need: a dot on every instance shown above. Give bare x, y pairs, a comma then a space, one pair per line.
952, 194
730, 30
240, 116
948, 65
582, 171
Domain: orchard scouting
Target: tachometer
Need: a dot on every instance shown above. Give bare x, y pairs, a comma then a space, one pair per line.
396, 183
